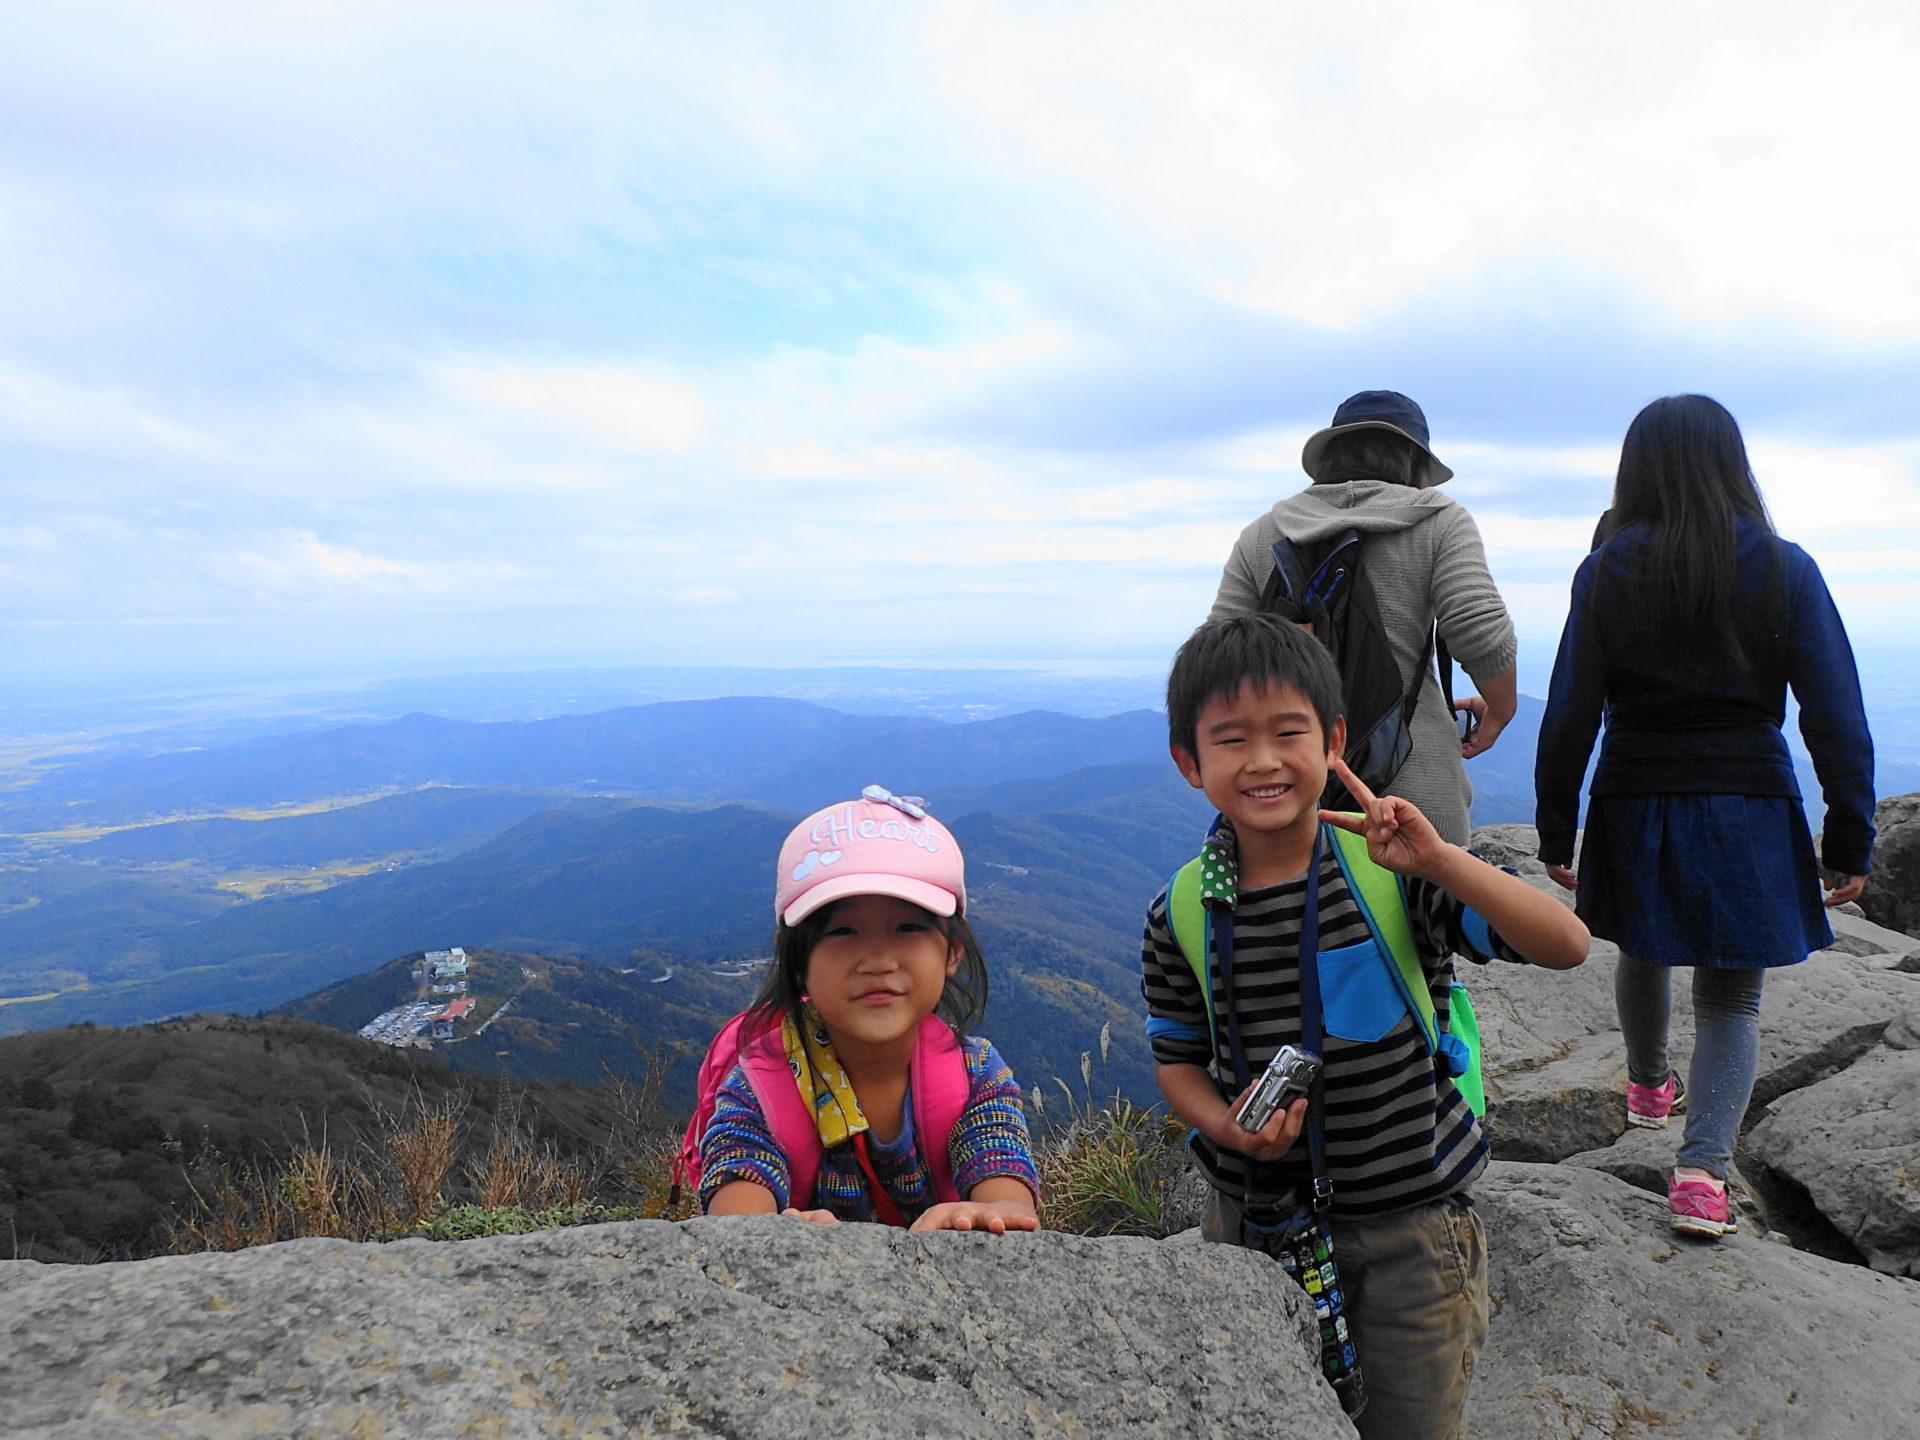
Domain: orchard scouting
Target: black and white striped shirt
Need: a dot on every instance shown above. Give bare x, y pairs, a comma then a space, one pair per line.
1398, 1133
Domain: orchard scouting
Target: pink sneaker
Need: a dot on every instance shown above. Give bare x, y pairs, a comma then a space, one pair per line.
1700, 1207
1651, 1106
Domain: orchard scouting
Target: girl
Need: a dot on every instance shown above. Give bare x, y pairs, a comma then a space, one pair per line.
875, 968
1688, 624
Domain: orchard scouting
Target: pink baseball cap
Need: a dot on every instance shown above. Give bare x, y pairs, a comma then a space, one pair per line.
880, 844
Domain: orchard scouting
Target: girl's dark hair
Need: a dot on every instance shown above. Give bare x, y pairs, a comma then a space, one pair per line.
1683, 482
962, 1003
1375, 452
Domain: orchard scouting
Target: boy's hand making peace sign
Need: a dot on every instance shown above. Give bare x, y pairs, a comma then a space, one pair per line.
1399, 838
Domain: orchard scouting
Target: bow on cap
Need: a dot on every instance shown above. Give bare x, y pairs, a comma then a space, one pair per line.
909, 804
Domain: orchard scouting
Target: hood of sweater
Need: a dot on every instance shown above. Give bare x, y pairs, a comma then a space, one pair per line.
1369, 506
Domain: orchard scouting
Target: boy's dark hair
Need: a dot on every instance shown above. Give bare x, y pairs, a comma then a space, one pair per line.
1222, 655
962, 1002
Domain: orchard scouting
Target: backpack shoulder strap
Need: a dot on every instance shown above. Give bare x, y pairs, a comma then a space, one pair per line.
941, 1089
1383, 902
1192, 929
723, 1053
1384, 905
785, 1110
1285, 594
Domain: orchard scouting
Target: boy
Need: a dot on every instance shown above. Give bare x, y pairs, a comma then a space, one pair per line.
1253, 712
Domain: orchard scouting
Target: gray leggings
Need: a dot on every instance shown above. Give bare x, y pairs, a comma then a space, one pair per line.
1726, 1026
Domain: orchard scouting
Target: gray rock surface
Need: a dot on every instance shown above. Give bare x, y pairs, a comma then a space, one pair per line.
1185, 1200
738, 1328
1852, 1144
1645, 1160
1854, 934
1555, 1068
1512, 844
1606, 1324
1892, 896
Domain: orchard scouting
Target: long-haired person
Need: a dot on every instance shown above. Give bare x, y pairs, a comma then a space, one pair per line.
1689, 624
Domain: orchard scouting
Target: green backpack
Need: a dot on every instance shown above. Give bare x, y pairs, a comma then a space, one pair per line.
1384, 905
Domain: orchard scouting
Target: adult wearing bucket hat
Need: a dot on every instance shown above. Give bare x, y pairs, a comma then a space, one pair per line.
1373, 470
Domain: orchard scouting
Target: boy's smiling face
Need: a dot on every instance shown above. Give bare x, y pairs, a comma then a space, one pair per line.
1262, 759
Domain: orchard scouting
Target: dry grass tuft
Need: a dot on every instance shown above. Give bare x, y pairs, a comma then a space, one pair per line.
422, 1155
1106, 1166
403, 1182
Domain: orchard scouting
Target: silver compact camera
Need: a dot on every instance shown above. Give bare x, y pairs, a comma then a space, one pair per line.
1289, 1074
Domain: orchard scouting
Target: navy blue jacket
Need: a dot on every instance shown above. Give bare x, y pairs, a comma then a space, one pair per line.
1686, 715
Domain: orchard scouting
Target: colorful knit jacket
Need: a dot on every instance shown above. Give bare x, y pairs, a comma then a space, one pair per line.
990, 1140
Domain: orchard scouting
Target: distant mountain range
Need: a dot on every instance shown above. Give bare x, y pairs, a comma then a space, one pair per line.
591, 838
782, 753
1057, 899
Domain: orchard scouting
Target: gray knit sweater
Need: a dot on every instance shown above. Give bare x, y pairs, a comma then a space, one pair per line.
1425, 561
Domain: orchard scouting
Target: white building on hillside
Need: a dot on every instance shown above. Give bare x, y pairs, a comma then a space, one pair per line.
447, 963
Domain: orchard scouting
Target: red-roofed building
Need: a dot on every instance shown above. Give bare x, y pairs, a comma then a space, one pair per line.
442, 1020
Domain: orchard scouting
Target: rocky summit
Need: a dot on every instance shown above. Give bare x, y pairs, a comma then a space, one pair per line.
1893, 890
743, 1328
1606, 1324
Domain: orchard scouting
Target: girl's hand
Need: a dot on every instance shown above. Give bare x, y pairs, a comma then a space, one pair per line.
1563, 876
1842, 888
1273, 1141
996, 1217
818, 1217
1399, 838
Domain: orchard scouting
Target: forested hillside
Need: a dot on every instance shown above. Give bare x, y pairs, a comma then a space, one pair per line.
102, 1130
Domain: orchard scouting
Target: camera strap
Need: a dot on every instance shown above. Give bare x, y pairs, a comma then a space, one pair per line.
1303, 1243
1312, 1017
1313, 1031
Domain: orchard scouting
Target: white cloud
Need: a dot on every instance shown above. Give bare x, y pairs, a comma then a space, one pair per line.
39, 409
1332, 164
1503, 533
632, 410
338, 563
1841, 497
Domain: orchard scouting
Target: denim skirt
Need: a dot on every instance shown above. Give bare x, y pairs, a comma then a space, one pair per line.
1727, 880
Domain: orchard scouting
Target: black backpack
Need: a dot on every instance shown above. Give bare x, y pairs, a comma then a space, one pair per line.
1324, 588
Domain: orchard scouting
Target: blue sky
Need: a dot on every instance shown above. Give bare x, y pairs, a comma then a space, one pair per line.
381, 338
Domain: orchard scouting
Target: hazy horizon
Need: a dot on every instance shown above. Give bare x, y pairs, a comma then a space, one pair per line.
214, 714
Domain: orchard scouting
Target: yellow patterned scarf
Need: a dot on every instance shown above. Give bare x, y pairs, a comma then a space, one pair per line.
822, 1080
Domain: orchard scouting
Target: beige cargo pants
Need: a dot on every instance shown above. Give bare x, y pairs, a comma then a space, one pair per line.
1415, 1283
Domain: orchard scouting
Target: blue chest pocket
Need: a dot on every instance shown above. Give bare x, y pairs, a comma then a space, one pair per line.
1358, 995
